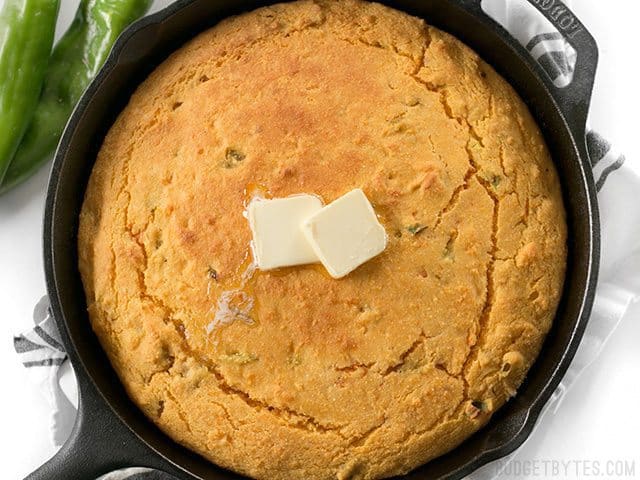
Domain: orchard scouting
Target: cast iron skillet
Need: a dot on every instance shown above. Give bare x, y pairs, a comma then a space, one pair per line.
111, 432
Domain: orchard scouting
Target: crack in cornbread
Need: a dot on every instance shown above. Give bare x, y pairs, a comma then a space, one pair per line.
363, 377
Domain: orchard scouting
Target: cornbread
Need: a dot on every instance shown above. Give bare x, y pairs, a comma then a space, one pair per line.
311, 377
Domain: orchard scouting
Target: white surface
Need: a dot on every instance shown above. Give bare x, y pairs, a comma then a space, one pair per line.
598, 420
278, 240
346, 233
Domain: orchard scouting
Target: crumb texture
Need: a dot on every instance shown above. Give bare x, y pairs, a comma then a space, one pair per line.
364, 377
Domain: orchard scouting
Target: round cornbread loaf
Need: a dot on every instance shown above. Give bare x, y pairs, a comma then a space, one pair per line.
367, 376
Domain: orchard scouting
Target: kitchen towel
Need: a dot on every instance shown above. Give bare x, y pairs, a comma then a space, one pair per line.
44, 357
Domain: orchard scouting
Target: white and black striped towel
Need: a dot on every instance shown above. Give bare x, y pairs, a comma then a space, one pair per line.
43, 354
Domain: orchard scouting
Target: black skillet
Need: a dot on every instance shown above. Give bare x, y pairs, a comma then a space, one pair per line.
111, 432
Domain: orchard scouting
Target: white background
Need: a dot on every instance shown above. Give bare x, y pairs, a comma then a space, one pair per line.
600, 416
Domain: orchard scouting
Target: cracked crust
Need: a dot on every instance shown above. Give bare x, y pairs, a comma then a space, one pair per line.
368, 376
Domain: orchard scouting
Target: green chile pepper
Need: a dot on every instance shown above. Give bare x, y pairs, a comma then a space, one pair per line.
26, 36
75, 61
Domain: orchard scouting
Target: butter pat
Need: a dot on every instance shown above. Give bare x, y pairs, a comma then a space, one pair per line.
345, 234
278, 240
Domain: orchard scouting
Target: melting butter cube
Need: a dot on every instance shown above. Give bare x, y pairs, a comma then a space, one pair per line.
345, 234
278, 240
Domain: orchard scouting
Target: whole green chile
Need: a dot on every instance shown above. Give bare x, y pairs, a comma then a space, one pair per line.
26, 35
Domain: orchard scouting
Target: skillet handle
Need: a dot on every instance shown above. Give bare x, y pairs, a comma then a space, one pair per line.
99, 443
572, 99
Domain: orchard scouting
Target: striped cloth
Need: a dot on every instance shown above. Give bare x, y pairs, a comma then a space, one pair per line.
43, 354
604, 158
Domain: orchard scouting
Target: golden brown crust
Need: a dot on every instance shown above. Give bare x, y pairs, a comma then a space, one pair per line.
363, 377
